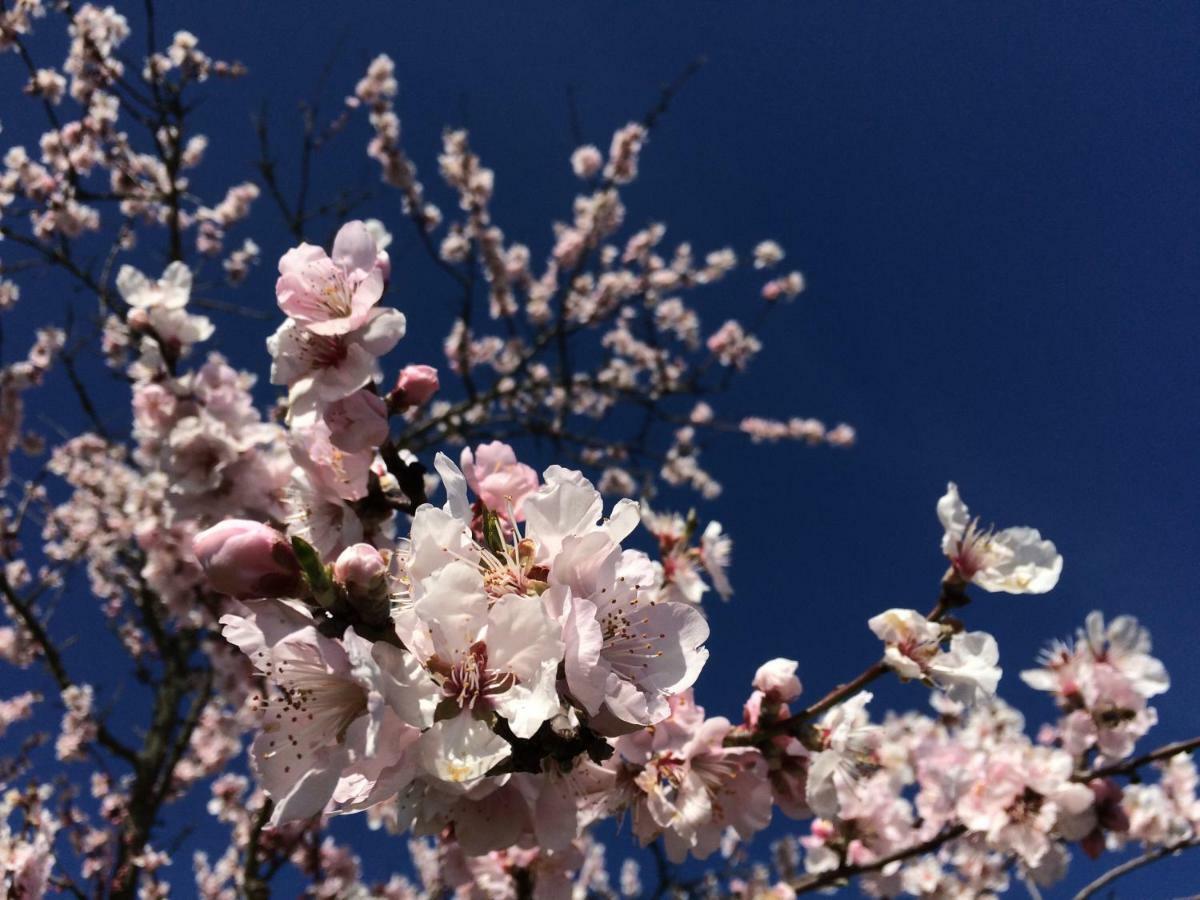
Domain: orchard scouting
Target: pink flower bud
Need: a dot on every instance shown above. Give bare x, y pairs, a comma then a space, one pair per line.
247, 559
777, 679
415, 386
358, 422
360, 569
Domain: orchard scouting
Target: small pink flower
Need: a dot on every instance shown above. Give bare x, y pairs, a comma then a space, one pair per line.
358, 422
496, 477
415, 386
332, 295
586, 161
247, 559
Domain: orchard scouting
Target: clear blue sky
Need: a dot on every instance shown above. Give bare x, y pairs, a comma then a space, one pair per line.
997, 209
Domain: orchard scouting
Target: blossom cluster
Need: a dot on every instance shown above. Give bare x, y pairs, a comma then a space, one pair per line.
495, 672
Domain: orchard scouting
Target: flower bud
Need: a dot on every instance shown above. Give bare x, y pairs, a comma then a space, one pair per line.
360, 569
247, 559
777, 679
363, 574
415, 386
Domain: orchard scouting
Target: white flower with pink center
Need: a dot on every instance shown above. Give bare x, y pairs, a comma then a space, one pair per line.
849, 745
967, 671
627, 652
482, 654
686, 786
324, 711
1015, 560
322, 368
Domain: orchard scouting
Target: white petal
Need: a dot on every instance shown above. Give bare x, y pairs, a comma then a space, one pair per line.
133, 286
968, 670
1024, 563
382, 332
299, 789
438, 539
407, 686
562, 507
461, 751
456, 488
530, 703
624, 519
953, 514
453, 608
521, 637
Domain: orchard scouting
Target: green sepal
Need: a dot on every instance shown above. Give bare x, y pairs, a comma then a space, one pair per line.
316, 573
493, 536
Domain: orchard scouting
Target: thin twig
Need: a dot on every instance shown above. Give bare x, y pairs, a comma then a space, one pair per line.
1133, 865
1128, 767
819, 880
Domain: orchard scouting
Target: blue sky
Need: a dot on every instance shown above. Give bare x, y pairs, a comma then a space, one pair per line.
995, 207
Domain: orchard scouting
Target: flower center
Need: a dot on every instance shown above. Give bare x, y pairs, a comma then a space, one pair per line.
470, 678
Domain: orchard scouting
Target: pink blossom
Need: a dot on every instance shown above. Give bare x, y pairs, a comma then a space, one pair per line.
357, 422
501, 656
732, 345
326, 714
319, 369
586, 161
493, 473
329, 296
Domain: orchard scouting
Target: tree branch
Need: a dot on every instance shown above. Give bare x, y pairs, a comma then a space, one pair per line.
819, 880
1128, 767
1133, 865
54, 663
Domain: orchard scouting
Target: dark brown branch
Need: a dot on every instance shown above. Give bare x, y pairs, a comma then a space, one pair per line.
1133, 865
819, 880
1129, 766
55, 665
843, 692
254, 885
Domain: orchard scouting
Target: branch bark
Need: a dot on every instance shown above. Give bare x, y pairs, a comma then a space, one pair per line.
819, 880
1133, 865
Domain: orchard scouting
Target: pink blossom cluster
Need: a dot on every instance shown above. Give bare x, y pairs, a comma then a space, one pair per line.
495, 649
496, 673
628, 290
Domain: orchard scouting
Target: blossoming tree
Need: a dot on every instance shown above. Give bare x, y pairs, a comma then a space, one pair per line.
365, 592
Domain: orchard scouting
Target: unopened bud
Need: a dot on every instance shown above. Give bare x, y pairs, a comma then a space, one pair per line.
247, 559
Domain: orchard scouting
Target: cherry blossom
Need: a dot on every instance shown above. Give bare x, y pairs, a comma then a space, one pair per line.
967, 670
491, 676
1015, 560
332, 295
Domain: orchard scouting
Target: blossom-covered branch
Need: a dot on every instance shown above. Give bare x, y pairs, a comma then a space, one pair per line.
354, 580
